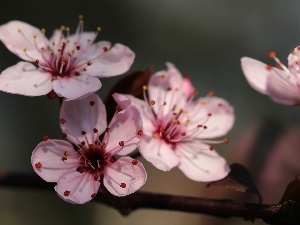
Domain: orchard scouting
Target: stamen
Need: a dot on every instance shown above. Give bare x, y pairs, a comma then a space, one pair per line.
93, 195
45, 137
123, 185
67, 193
38, 165
134, 162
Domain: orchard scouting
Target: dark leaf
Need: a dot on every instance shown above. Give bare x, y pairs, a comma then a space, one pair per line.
131, 84
292, 191
239, 179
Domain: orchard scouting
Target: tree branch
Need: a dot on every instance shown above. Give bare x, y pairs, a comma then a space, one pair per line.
287, 213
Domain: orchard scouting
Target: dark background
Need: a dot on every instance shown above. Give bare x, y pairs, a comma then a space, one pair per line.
205, 39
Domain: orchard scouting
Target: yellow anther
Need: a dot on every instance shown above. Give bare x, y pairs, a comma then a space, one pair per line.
62, 27
145, 87
34, 36
98, 29
19, 30
43, 30
24, 49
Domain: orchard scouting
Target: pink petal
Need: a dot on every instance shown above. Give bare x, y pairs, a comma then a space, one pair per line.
123, 177
126, 100
77, 188
76, 87
17, 41
47, 159
218, 124
282, 90
91, 52
159, 153
165, 99
188, 88
124, 127
80, 116
24, 79
115, 61
256, 73
198, 163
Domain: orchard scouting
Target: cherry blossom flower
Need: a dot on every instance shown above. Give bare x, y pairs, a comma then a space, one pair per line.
68, 64
79, 173
177, 130
281, 83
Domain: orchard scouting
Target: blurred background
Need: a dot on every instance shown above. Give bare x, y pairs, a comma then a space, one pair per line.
205, 39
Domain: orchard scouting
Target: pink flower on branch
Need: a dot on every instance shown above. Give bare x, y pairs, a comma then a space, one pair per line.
280, 83
178, 130
69, 64
79, 173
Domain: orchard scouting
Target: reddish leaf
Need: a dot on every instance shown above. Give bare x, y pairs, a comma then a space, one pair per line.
239, 179
292, 191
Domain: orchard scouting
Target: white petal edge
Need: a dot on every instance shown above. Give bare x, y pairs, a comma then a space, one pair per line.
17, 36
117, 60
81, 187
80, 116
201, 165
124, 171
256, 73
48, 154
76, 87
124, 126
159, 153
25, 79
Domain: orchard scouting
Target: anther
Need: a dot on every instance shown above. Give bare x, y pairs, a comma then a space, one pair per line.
67, 193
83, 132
211, 148
111, 160
38, 165
24, 49
43, 30
96, 178
211, 93
105, 49
66, 153
268, 67
152, 102
195, 92
107, 129
92, 103
93, 195
121, 143
272, 54
89, 63
140, 132
98, 29
209, 114
145, 87
183, 134
64, 135
123, 185
118, 108
63, 120
45, 137
77, 47
82, 143
95, 130
226, 140
37, 61
205, 127
169, 89
64, 158
34, 36
134, 162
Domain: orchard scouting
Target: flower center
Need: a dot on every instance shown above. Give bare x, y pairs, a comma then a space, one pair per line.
65, 55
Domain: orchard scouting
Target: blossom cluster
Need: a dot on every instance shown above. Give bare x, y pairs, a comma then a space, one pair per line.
168, 126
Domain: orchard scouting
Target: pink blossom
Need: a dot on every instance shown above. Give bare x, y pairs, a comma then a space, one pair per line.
281, 83
177, 130
69, 64
79, 173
